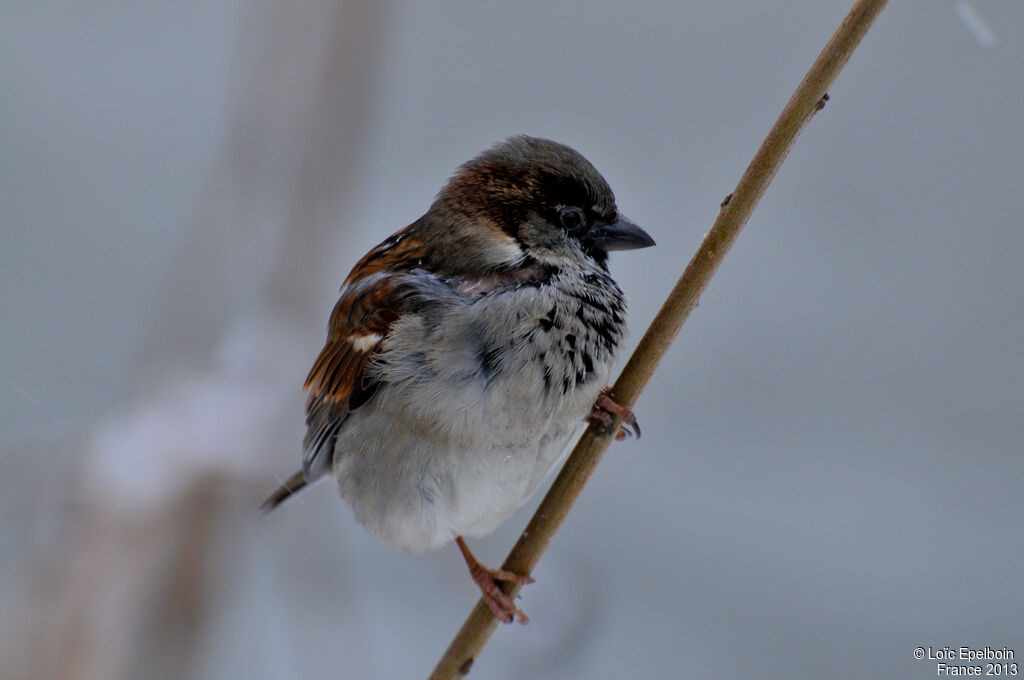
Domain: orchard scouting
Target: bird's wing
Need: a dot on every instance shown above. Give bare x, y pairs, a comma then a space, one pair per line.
392, 280
386, 283
383, 285
336, 384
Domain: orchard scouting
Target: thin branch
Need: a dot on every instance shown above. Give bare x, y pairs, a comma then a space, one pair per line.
808, 98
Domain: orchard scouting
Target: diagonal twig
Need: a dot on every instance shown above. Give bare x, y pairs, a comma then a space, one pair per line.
808, 98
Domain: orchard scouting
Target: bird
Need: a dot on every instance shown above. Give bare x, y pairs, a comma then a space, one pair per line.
466, 350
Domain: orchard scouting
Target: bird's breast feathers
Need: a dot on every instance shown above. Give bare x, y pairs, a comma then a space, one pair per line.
478, 389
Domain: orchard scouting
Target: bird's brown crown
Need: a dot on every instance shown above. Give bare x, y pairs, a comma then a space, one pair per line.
525, 176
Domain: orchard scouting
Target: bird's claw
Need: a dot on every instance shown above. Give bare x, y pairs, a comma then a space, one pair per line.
604, 412
499, 602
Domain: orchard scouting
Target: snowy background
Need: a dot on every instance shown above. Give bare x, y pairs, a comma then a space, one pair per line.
831, 469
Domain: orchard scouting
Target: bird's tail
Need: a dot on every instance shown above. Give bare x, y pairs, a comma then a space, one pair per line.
292, 486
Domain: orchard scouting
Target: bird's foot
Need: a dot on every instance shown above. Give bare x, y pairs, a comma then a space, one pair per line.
604, 412
500, 603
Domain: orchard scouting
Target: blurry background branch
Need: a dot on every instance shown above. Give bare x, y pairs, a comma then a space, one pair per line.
265, 235
809, 97
127, 586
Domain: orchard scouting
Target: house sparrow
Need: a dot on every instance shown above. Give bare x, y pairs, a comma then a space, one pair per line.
466, 349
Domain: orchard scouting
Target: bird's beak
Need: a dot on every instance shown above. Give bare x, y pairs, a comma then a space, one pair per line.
621, 234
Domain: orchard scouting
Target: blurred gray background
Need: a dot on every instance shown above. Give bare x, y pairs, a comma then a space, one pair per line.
831, 468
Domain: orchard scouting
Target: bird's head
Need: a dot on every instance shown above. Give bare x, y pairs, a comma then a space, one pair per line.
533, 198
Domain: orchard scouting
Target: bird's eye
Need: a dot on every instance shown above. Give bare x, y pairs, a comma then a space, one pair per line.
570, 217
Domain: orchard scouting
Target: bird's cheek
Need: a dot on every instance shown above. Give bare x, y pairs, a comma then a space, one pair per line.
540, 236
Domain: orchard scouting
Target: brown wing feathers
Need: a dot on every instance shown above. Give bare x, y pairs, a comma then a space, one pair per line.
360, 321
